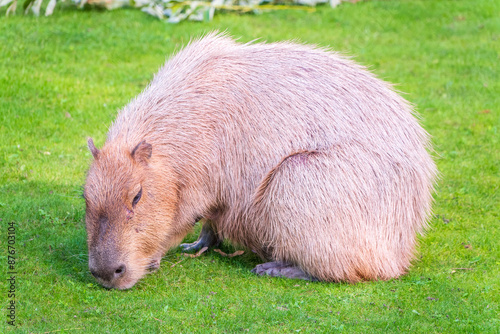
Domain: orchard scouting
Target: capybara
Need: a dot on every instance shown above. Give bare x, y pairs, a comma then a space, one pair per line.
291, 151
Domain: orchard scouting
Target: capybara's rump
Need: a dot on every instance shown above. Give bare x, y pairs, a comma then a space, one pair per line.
333, 214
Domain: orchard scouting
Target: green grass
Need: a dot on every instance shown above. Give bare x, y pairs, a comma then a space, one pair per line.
63, 78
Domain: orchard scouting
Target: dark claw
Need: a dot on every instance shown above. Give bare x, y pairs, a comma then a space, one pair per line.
207, 238
192, 247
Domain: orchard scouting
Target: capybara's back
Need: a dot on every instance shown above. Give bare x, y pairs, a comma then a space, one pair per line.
294, 152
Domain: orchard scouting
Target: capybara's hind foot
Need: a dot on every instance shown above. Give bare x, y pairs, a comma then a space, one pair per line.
207, 238
280, 269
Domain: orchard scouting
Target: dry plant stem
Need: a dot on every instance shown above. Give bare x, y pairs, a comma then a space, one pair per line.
201, 251
176, 263
240, 252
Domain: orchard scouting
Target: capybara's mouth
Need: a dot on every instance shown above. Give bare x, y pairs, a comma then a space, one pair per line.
122, 284
131, 277
126, 285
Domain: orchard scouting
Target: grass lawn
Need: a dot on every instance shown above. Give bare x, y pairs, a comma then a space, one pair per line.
63, 78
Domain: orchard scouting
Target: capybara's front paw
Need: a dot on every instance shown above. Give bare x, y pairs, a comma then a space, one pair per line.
207, 238
280, 269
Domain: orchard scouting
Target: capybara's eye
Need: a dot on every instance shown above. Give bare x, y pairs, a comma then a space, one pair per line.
137, 198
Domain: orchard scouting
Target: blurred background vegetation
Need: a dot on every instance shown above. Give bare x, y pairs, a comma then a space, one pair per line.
173, 11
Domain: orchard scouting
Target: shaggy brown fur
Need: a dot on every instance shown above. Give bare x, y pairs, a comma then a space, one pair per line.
292, 151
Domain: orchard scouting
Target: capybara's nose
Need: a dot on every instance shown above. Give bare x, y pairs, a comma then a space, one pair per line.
109, 273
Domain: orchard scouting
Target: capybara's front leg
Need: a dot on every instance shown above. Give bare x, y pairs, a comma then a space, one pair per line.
208, 238
280, 269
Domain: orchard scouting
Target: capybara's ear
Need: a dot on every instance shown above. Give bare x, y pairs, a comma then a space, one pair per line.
142, 152
92, 148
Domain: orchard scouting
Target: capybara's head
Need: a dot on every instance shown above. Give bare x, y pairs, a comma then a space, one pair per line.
130, 202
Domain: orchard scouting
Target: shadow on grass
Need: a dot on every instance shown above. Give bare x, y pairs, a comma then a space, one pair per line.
51, 228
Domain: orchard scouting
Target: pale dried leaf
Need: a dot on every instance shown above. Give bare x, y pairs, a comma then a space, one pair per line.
154, 11
28, 8
240, 252
109, 4
12, 8
5, 2
48, 11
36, 7
237, 253
215, 3
201, 251
176, 263
220, 252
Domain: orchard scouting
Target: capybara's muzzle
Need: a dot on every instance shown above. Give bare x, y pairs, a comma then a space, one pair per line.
110, 273
108, 270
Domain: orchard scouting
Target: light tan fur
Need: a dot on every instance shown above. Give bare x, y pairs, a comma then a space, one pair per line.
292, 151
